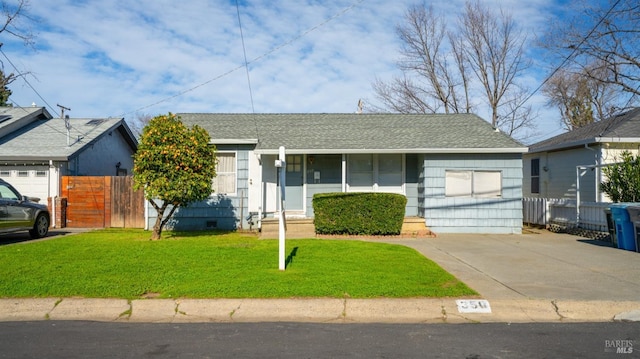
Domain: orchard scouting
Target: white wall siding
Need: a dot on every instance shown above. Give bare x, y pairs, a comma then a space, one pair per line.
473, 215
559, 178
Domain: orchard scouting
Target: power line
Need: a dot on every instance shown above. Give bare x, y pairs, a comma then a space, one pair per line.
25, 80
567, 58
246, 65
286, 43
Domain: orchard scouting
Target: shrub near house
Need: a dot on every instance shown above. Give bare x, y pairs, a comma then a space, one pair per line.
359, 213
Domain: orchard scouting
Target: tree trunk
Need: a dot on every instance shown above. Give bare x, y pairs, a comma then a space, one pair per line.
157, 229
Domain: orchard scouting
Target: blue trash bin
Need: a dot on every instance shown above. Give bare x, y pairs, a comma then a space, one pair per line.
634, 213
624, 227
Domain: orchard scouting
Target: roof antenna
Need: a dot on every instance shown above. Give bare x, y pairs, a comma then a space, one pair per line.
67, 125
62, 108
360, 106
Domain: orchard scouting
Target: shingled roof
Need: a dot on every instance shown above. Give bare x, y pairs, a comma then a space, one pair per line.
46, 138
624, 127
356, 133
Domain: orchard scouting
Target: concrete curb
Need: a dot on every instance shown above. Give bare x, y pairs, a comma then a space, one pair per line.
320, 310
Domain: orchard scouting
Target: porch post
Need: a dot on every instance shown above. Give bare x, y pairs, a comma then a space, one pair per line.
282, 172
344, 172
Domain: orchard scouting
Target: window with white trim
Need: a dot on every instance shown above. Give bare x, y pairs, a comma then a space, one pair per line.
535, 175
226, 173
478, 184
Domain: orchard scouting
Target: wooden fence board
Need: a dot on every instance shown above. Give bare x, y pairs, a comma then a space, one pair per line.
99, 202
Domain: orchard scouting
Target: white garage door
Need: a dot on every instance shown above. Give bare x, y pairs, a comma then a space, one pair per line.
32, 181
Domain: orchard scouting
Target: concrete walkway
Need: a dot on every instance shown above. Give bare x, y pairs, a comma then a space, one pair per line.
543, 277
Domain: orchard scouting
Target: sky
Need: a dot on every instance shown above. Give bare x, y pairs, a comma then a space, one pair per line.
117, 58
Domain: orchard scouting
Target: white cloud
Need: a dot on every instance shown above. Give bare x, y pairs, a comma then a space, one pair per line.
114, 57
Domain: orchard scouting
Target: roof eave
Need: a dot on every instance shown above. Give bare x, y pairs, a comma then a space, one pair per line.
231, 141
587, 141
9, 160
618, 139
401, 150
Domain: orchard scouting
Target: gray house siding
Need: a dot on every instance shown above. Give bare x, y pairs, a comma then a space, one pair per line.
412, 180
329, 168
324, 141
220, 211
473, 215
557, 173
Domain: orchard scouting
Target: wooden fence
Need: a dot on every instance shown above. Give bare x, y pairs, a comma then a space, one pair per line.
563, 212
101, 202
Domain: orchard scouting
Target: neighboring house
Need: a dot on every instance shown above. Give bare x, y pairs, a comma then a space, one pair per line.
36, 150
456, 171
556, 167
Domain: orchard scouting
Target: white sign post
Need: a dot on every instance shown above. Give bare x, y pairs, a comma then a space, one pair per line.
282, 226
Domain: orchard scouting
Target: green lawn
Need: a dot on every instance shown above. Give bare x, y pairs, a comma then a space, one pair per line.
125, 264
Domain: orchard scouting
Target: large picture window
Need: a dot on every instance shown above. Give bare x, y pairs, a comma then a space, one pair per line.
225, 180
375, 173
479, 184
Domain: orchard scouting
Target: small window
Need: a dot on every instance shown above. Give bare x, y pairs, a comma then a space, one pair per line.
294, 163
23, 173
5, 173
535, 175
41, 173
478, 184
225, 180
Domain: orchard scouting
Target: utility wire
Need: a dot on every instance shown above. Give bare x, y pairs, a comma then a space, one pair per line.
287, 43
24, 77
26, 81
566, 59
246, 65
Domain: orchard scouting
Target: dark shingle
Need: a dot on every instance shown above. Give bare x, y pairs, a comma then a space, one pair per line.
353, 132
624, 125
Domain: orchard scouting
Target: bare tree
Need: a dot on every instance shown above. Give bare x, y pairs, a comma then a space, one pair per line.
494, 47
608, 36
12, 14
443, 69
432, 81
580, 98
140, 121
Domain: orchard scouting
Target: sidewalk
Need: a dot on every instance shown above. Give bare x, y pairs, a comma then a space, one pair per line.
542, 277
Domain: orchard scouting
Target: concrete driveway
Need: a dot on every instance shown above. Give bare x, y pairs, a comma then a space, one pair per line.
543, 265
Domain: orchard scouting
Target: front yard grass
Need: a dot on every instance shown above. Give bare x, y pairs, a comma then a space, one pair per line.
116, 263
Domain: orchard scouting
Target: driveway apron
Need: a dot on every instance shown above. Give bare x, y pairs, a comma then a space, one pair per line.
544, 265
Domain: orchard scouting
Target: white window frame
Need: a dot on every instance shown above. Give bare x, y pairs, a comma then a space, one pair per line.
235, 174
535, 176
469, 184
376, 187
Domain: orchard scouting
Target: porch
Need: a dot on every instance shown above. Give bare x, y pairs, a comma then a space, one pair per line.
412, 227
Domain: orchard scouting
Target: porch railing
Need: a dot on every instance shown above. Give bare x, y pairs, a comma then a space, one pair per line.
563, 212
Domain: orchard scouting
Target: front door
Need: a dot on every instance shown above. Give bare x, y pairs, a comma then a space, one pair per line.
293, 191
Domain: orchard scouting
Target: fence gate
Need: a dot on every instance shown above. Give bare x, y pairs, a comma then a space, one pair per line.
100, 202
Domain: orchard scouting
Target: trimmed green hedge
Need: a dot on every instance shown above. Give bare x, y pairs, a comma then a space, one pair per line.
359, 213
